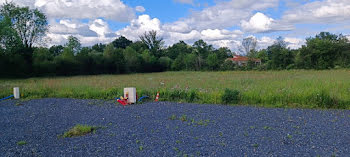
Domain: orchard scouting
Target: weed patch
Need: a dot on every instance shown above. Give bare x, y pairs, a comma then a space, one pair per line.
21, 143
79, 130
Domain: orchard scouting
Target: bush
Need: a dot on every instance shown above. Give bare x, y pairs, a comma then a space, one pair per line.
324, 100
231, 96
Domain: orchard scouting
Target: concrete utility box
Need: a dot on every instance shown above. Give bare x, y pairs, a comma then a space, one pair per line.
130, 92
16, 92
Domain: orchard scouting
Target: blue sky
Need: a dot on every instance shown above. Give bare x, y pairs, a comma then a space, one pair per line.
222, 23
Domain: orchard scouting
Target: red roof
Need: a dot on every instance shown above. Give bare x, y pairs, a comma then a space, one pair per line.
242, 58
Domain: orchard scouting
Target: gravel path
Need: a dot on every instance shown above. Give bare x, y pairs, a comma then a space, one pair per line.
170, 129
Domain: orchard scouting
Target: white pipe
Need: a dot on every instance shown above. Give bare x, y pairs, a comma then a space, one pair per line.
16, 92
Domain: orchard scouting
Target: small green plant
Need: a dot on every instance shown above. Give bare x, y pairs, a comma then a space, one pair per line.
255, 145
231, 96
19, 104
289, 136
183, 118
140, 148
267, 128
176, 149
79, 130
245, 134
178, 141
173, 117
21, 143
220, 134
137, 141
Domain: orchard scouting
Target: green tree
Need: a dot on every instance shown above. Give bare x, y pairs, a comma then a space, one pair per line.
43, 62
133, 60
178, 63
114, 60
30, 24
322, 52
190, 61
228, 65
213, 61
73, 44
153, 42
9, 40
223, 53
280, 57
98, 47
56, 50
165, 63
121, 42
177, 49
150, 62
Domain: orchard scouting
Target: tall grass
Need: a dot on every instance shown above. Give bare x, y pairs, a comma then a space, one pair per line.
296, 88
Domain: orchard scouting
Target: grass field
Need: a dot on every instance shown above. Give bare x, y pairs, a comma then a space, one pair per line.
296, 88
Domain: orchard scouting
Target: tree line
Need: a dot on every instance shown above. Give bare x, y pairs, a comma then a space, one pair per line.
23, 29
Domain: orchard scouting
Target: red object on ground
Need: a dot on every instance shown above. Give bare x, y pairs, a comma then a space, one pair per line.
122, 102
157, 97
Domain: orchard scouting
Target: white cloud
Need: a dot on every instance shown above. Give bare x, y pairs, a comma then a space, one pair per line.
140, 9
262, 23
95, 31
101, 28
257, 23
294, 43
139, 26
216, 34
319, 12
82, 9
226, 13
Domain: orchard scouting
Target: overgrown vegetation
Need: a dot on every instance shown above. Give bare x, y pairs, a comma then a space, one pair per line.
79, 130
295, 88
230, 96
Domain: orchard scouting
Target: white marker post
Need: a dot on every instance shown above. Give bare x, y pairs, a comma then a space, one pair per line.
16, 92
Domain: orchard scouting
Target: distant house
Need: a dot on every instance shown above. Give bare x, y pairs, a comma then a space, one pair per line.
243, 61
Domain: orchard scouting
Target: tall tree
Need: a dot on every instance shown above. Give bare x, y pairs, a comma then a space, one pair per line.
30, 24
153, 42
121, 42
73, 44
249, 44
9, 40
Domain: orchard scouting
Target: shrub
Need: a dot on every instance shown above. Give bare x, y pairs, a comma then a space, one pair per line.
192, 96
324, 100
231, 96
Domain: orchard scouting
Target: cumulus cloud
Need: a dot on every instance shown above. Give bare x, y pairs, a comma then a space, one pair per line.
140, 25
258, 23
262, 23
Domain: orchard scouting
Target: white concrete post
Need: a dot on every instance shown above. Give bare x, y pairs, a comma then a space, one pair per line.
16, 92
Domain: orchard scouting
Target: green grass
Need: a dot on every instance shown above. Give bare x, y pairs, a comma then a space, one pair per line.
288, 89
79, 130
21, 143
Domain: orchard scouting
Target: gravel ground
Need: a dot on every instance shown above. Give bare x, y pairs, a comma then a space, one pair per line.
157, 129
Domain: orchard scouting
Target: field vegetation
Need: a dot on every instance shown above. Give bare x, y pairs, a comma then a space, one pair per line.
293, 88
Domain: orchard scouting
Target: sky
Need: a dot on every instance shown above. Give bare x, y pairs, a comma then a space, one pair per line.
222, 23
